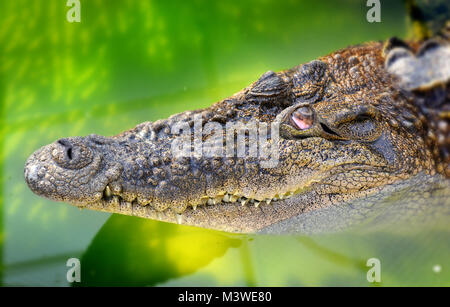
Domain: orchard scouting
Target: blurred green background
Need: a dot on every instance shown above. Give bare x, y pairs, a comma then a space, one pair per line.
132, 61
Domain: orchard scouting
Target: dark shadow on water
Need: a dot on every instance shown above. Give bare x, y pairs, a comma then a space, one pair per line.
326, 253
130, 251
247, 264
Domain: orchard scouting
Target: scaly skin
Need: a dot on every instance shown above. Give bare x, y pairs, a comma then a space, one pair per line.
349, 126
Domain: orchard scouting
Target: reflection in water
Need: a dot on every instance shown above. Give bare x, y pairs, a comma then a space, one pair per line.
137, 252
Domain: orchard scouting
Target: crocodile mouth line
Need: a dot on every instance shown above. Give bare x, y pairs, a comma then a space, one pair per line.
109, 199
113, 199
115, 204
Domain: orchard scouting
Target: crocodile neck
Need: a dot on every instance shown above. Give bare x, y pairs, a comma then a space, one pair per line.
420, 201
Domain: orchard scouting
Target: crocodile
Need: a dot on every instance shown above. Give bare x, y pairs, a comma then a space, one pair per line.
346, 127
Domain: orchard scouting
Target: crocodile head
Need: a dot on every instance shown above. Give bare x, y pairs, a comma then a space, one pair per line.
303, 139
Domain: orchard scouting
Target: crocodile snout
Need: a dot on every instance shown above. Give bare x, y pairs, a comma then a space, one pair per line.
66, 170
37, 175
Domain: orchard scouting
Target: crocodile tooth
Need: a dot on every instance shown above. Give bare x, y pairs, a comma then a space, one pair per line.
98, 195
288, 194
226, 198
234, 198
179, 218
257, 202
275, 198
211, 201
115, 200
108, 191
142, 201
244, 201
194, 207
268, 201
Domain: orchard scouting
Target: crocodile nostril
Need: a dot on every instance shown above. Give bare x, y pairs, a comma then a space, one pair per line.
69, 153
303, 118
68, 148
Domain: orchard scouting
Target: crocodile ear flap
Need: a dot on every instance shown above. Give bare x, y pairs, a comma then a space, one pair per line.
270, 88
310, 81
429, 67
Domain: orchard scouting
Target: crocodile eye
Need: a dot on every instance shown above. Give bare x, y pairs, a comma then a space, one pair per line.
302, 118
71, 156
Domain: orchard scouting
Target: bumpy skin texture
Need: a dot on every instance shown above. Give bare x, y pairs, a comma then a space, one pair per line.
361, 129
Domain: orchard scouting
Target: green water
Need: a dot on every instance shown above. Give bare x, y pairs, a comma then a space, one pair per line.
134, 61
